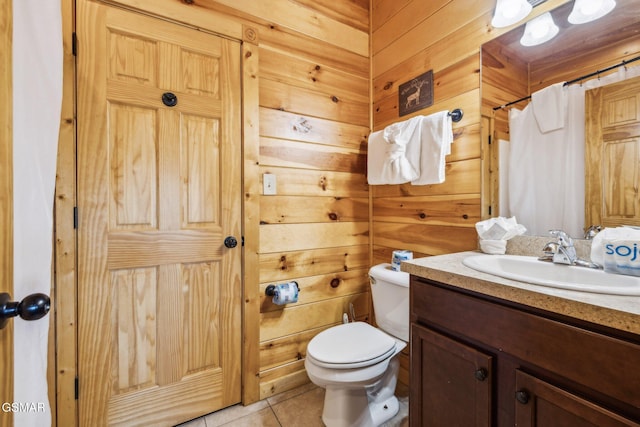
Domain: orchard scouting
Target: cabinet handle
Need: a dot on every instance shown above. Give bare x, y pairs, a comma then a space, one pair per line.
522, 396
481, 374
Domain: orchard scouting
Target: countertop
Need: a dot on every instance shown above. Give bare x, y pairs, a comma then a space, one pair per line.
618, 312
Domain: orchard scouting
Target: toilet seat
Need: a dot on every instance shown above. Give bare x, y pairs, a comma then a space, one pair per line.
350, 345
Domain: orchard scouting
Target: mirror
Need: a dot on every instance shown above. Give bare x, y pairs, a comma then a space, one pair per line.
511, 71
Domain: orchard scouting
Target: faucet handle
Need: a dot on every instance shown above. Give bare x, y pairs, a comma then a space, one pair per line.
563, 238
550, 248
591, 232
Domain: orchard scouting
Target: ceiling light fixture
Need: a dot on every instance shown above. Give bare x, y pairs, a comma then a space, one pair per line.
589, 10
539, 30
508, 12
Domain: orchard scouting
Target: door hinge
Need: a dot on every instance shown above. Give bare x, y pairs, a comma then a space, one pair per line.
74, 44
75, 217
489, 139
242, 240
77, 387
489, 210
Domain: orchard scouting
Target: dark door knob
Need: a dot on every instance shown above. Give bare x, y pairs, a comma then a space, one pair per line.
32, 307
169, 99
230, 242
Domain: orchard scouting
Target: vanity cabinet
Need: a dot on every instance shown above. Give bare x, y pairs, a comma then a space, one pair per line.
481, 361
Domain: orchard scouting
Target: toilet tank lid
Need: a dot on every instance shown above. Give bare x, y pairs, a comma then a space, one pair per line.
350, 343
388, 274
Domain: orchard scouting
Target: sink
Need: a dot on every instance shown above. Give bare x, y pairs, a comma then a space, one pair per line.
530, 270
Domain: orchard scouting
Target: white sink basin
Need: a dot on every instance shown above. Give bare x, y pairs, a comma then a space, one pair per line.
531, 270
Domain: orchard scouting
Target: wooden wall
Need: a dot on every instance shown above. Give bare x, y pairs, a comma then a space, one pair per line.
410, 37
314, 121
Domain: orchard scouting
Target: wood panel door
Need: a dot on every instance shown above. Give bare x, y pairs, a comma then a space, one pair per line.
612, 161
159, 190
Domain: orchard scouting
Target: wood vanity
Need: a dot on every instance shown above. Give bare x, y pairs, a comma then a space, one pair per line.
487, 351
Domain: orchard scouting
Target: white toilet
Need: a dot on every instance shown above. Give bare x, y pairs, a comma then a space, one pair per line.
356, 362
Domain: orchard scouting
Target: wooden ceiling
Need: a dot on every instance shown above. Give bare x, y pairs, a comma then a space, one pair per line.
618, 28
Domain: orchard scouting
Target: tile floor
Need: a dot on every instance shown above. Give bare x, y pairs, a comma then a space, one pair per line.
301, 407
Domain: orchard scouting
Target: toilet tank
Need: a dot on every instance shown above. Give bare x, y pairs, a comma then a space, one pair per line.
390, 294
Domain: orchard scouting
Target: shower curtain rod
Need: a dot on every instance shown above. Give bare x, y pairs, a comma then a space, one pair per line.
579, 79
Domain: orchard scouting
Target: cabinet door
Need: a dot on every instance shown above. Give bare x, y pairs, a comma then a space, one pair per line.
539, 403
451, 382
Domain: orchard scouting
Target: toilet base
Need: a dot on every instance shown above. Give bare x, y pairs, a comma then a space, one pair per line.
369, 406
351, 408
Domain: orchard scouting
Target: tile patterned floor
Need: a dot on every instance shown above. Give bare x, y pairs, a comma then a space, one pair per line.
301, 407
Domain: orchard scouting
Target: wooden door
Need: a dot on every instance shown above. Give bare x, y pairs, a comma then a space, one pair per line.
455, 382
539, 403
6, 207
612, 161
159, 189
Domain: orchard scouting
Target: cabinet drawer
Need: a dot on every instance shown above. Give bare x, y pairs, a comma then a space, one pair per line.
604, 364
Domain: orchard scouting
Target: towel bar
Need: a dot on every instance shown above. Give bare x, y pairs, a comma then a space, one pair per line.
456, 115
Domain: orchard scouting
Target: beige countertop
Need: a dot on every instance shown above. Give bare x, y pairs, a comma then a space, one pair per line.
618, 312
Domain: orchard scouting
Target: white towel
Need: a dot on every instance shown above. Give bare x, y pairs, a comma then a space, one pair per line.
390, 152
387, 162
550, 107
436, 136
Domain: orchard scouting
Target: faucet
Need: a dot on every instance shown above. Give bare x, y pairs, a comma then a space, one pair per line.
563, 252
591, 232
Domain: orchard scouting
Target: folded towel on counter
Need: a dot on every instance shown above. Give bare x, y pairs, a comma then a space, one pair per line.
436, 137
494, 233
550, 107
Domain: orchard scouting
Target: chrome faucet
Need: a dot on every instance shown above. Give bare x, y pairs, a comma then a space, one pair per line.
563, 252
591, 232
566, 252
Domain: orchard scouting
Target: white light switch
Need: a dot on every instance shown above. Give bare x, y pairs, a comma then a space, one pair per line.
268, 184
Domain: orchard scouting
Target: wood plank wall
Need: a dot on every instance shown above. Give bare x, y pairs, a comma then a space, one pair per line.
314, 120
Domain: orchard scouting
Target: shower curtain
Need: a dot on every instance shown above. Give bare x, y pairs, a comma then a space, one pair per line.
546, 170
37, 99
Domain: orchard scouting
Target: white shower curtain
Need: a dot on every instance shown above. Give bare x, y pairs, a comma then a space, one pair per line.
546, 170
37, 99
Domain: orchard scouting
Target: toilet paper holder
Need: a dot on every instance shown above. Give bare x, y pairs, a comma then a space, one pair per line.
271, 289
283, 293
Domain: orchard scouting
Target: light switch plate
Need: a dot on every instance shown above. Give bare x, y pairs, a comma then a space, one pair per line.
268, 184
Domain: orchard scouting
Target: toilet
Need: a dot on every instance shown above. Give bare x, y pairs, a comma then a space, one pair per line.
356, 363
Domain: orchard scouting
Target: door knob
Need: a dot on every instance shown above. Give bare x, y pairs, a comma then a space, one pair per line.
32, 307
230, 242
